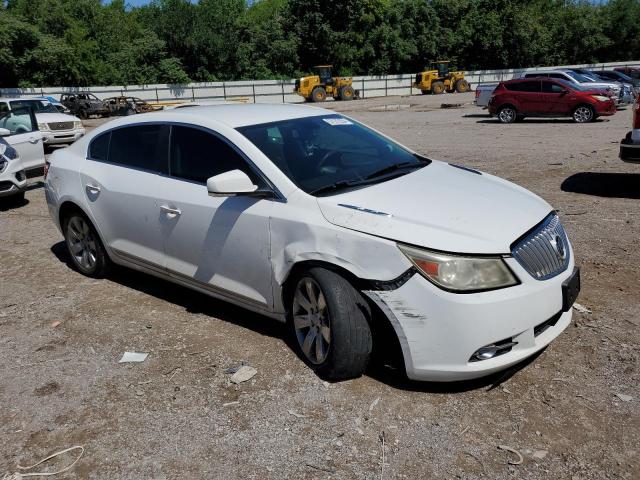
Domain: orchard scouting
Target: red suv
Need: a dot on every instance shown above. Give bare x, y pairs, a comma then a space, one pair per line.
543, 97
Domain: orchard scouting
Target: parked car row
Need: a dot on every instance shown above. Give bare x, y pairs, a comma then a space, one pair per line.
581, 94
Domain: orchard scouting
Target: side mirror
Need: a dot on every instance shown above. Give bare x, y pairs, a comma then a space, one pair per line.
5, 132
229, 184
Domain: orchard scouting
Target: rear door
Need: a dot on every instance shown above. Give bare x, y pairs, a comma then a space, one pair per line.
24, 135
121, 182
527, 93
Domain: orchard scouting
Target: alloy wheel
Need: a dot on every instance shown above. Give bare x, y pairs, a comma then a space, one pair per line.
82, 243
311, 320
507, 115
583, 114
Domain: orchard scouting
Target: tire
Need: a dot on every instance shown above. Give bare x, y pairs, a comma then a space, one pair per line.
583, 114
507, 114
84, 246
335, 340
83, 114
437, 88
462, 86
318, 94
347, 93
129, 111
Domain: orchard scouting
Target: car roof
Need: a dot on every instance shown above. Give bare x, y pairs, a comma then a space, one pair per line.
241, 115
22, 99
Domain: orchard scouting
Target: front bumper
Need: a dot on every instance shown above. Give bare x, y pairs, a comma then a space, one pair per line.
440, 331
56, 137
13, 179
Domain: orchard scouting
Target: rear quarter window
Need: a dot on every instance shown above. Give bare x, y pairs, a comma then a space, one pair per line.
99, 147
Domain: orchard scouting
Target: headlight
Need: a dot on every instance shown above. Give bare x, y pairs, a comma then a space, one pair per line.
77, 124
43, 127
459, 273
601, 98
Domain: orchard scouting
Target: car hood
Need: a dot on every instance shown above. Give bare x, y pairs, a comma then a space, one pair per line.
605, 85
55, 117
441, 207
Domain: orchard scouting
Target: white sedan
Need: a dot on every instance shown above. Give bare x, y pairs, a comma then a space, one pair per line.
56, 127
312, 218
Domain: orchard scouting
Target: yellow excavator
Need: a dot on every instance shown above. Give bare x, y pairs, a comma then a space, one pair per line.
315, 88
439, 79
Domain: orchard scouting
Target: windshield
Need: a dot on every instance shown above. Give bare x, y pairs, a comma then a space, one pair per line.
331, 153
579, 77
38, 106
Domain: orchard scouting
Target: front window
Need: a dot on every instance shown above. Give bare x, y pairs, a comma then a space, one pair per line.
38, 106
330, 153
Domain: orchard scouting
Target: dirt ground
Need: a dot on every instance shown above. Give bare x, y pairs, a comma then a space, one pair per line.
177, 415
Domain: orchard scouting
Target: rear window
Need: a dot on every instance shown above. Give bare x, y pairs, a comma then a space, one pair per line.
141, 146
533, 86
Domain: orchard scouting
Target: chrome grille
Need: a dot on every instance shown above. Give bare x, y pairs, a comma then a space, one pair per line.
544, 251
60, 125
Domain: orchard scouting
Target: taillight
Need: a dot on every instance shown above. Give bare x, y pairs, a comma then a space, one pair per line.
46, 169
477, 92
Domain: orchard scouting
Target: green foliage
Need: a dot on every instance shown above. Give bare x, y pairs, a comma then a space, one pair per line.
83, 42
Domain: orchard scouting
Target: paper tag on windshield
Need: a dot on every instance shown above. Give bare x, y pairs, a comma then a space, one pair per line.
337, 121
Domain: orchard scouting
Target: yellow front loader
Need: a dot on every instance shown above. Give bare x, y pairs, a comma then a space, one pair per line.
316, 88
439, 79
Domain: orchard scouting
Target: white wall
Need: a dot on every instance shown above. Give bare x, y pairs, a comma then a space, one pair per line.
276, 91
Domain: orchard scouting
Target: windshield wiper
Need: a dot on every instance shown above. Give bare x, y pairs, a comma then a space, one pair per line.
333, 187
393, 168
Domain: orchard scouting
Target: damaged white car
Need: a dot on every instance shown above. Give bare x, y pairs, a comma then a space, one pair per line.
315, 219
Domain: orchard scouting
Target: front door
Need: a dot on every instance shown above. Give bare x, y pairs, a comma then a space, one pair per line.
219, 243
121, 179
556, 98
23, 135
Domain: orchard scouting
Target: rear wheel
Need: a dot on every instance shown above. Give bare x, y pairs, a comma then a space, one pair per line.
462, 86
84, 246
347, 93
330, 322
507, 114
318, 94
437, 88
583, 114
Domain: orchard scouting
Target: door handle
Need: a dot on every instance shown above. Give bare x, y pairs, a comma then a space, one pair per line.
170, 211
93, 189
34, 140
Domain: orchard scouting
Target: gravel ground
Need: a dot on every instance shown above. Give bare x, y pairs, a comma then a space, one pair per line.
177, 415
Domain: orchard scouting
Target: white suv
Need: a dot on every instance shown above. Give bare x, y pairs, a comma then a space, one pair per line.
310, 217
56, 127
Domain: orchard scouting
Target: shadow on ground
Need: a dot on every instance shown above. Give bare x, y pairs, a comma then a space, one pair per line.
384, 368
600, 184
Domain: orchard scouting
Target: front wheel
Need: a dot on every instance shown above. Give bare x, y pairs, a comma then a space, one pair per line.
84, 246
583, 114
330, 322
318, 94
507, 114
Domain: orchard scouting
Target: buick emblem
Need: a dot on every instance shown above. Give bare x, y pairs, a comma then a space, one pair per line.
558, 245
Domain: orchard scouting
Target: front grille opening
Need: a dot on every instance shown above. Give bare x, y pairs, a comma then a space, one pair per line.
4, 186
540, 329
493, 350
